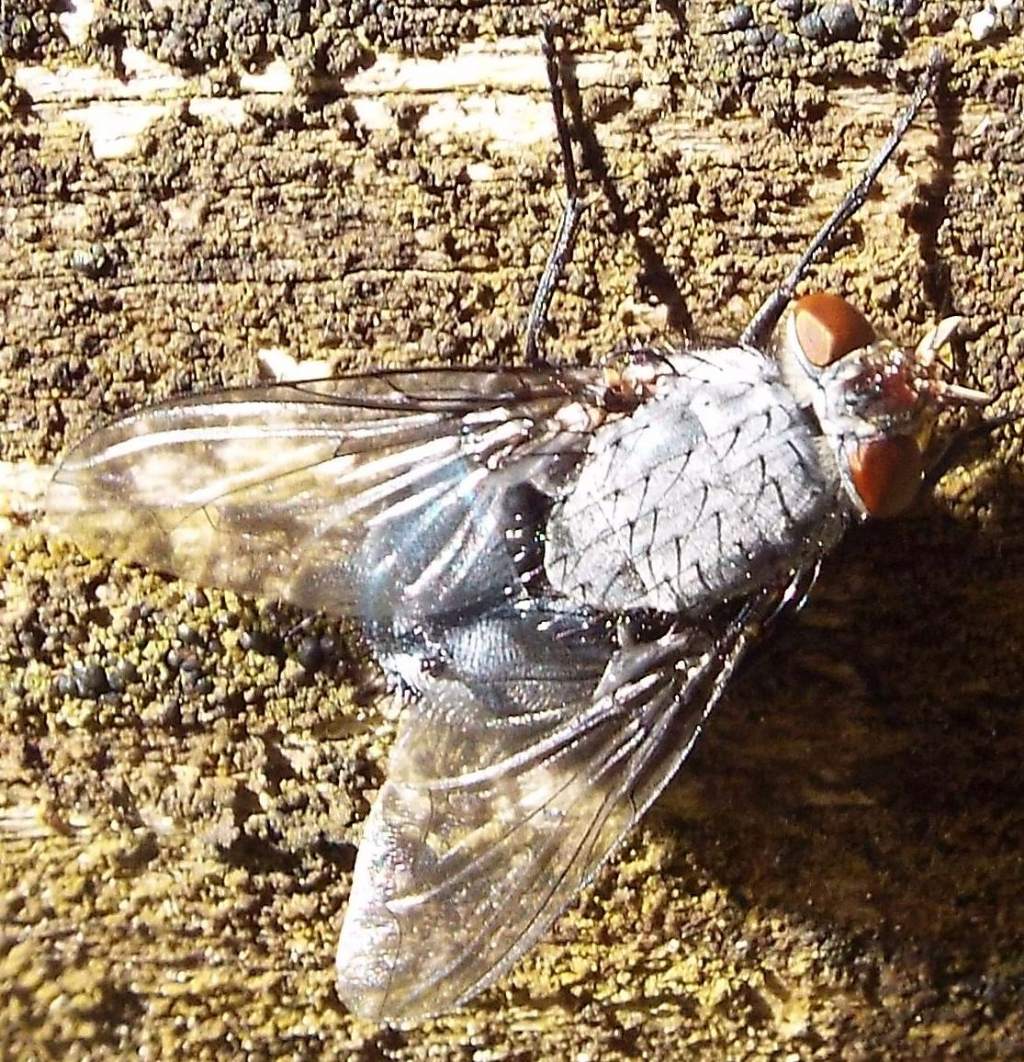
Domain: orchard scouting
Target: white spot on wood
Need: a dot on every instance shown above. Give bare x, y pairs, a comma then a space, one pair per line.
499, 118
373, 114
275, 79
986, 20
143, 69
114, 128
981, 23
22, 489
75, 22
480, 171
283, 367
650, 98
227, 111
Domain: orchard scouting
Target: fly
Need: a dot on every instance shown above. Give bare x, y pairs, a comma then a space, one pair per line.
558, 569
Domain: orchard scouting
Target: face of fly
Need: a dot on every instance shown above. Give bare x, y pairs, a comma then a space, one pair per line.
875, 401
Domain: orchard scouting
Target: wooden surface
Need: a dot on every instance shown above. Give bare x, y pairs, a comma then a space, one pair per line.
195, 195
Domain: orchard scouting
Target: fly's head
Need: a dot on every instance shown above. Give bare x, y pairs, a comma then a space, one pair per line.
876, 402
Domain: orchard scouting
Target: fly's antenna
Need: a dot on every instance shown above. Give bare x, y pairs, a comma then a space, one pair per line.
767, 317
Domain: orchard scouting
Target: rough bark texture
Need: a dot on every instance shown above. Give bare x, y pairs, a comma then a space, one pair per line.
838, 870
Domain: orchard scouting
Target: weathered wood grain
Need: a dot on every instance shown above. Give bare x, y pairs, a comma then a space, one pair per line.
837, 873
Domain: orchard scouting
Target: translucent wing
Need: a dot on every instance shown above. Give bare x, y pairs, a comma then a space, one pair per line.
537, 739
277, 490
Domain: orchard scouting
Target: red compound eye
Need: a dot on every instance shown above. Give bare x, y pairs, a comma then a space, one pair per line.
887, 474
827, 327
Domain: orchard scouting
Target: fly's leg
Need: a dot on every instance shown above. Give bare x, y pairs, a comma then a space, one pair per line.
954, 448
762, 325
565, 238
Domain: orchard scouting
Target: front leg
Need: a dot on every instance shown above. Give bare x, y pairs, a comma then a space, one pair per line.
565, 237
763, 323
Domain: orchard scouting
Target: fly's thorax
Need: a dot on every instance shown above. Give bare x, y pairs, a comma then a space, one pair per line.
875, 401
711, 487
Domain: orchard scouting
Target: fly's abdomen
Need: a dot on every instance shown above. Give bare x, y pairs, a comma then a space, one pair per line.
714, 487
